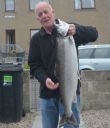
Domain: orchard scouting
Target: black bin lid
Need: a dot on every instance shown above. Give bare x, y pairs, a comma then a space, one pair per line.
10, 67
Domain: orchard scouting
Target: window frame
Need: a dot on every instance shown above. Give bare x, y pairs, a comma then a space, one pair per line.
90, 52
34, 32
104, 50
84, 8
30, 6
32, 9
12, 10
8, 30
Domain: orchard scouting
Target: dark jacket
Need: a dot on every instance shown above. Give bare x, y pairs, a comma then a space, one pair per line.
42, 55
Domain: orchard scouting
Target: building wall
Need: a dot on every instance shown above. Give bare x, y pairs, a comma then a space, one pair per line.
96, 17
24, 19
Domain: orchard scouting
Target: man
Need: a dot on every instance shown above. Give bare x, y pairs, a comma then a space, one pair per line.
42, 60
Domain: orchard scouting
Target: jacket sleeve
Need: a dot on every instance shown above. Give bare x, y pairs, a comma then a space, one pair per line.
85, 34
34, 61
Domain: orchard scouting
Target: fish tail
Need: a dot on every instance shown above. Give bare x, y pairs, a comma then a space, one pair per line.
68, 120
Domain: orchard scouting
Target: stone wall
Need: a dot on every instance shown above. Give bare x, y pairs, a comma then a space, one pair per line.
26, 90
30, 92
95, 90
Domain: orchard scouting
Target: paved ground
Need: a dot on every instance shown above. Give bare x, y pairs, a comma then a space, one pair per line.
89, 119
37, 122
96, 118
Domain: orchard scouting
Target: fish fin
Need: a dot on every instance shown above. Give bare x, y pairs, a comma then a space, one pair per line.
63, 120
68, 120
72, 120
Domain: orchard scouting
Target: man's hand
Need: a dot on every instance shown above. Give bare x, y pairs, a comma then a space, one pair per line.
50, 84
72, 29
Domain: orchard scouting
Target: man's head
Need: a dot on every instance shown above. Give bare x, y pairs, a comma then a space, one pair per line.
45, 14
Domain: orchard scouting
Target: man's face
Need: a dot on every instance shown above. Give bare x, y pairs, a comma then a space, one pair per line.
45, 15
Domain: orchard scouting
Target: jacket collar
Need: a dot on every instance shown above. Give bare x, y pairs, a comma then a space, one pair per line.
43, 32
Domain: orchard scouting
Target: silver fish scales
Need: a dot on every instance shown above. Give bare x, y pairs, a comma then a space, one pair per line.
67, 71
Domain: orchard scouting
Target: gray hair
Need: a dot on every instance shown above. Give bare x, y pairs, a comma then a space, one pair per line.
41, 3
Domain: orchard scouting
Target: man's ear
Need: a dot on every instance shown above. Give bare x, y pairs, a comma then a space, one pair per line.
53, 11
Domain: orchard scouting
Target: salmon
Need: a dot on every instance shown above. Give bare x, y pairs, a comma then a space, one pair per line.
67, 72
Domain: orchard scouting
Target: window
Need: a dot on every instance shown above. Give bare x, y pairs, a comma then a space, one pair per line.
102, 53
10, 36
10, 40
10, 5
84, 4
85, 53
34, 2
33, 31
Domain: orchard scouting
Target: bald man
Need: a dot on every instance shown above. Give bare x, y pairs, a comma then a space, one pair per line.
42, 61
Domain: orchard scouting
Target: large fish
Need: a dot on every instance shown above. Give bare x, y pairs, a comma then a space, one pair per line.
67, 71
